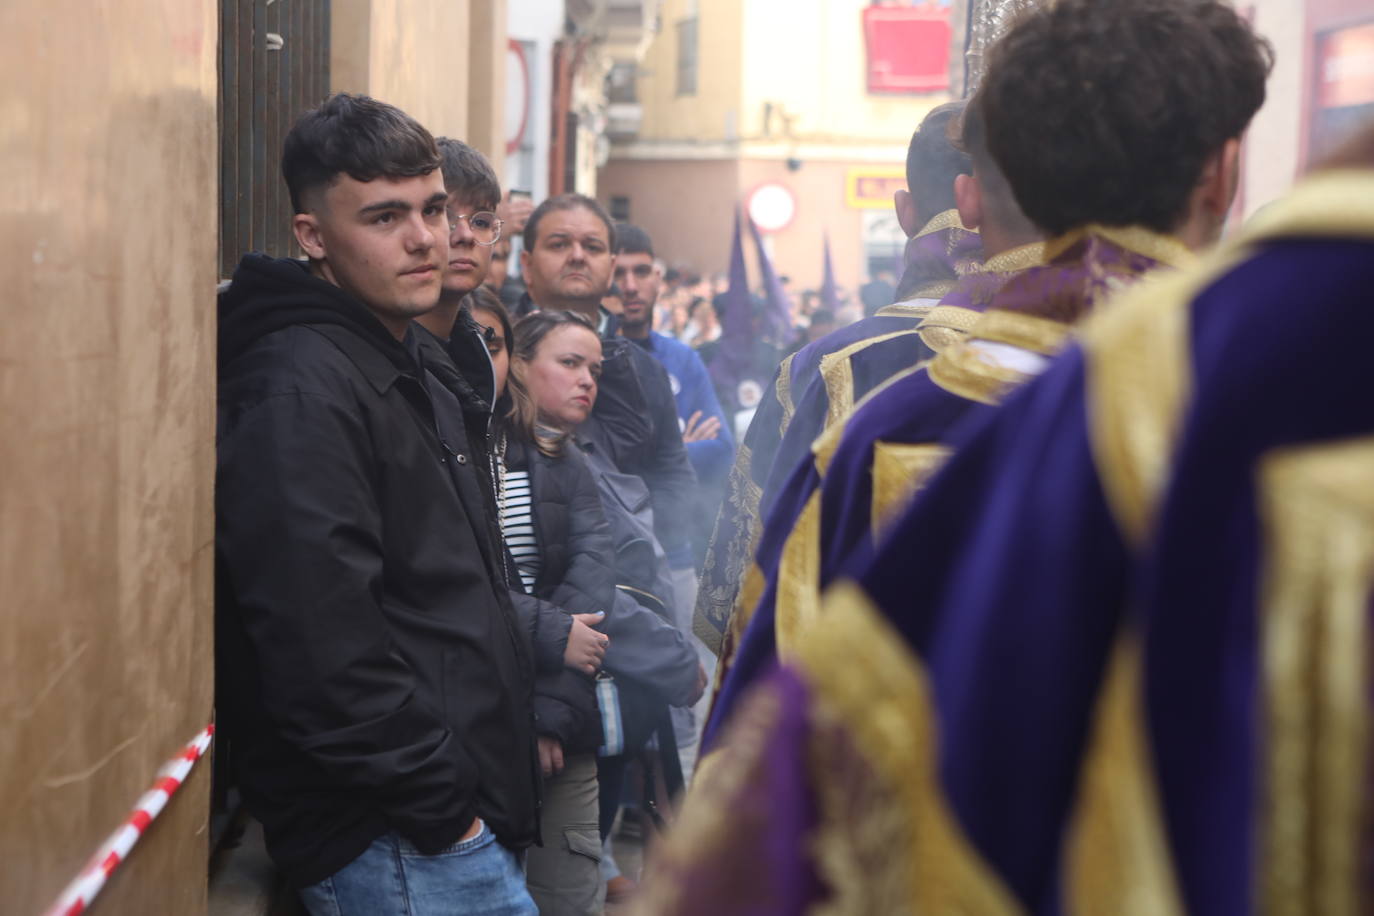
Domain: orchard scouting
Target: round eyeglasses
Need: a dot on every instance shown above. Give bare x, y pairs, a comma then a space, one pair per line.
485, 227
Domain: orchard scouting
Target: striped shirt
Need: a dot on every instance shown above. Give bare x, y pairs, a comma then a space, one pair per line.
517, 524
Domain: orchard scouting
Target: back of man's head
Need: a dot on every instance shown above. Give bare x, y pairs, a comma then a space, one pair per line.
357, 136
1107, 111
566, 202
933, 161
468, 175
630, 239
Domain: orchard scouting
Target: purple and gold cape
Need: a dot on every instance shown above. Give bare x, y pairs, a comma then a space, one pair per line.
936, 257
1117, 657
905, 431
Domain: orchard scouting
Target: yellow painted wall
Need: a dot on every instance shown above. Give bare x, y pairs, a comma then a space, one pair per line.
486, 54
413, 54
689, 229
107, 244
809, 57
709, 114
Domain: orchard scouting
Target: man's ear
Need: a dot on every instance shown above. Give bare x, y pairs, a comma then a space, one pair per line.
907, 217
524, 262
1220, 179
968, 199
306, 226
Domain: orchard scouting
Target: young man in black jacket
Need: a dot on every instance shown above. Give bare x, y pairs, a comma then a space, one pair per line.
374, 680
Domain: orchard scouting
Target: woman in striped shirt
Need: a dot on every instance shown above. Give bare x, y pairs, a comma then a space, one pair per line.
559, 545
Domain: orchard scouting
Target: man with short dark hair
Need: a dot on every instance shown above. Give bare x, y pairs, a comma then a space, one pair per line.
374, 682
638, 276
567, 263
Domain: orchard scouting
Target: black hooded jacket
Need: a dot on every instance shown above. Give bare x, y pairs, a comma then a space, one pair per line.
372, 673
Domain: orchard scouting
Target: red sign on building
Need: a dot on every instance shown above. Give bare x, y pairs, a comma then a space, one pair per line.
908, 47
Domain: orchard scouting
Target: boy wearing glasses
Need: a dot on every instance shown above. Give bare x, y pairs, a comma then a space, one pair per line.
474, 229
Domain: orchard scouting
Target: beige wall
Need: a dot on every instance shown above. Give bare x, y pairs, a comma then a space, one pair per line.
108, 224
684, 205
442, 61
486, 54
807, 57
695, 157
810, 58
712, 113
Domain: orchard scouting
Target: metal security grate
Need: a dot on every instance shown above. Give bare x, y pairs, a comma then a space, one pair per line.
274, 65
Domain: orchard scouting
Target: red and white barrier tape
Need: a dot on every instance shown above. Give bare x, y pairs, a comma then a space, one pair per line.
115, 850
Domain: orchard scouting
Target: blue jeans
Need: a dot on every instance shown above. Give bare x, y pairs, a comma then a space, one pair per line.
478, 876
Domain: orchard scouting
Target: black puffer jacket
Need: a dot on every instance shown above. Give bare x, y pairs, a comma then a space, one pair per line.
372, 673
597, 554
576, 574
463, 366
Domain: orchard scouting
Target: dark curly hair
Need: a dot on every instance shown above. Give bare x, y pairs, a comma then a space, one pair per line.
353, 135
1107, 110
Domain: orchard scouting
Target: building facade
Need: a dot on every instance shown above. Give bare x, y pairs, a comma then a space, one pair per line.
800, 109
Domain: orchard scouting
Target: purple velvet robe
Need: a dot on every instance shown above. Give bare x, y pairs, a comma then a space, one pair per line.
937, 257
1170, 556
1086, 267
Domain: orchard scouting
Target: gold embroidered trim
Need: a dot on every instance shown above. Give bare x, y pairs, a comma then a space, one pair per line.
859, 825
1029, 332
1139, 376
945, 219
783, 389
1335, 203
746, 602
837, 369
1015, 260
823, 449
951, 317
799, 578
900, 470
863, 675
1117, 851
1138, 364
711, 811
961, 370
1317, 508
908, 308
946, 325
1165, 249
730, 551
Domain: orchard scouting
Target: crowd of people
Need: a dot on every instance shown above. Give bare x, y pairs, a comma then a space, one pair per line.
1038, 581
